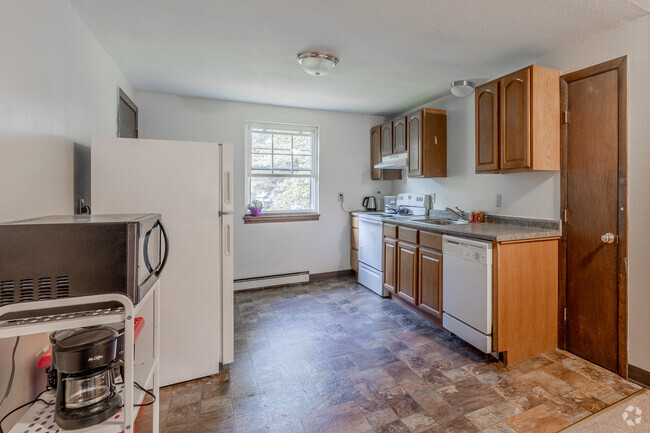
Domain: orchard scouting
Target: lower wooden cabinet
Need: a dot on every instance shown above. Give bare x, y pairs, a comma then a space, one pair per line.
407, 274
430, 281
390, 264
354, 243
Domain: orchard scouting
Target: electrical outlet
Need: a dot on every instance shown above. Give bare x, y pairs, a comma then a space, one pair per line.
340, 196
499, 200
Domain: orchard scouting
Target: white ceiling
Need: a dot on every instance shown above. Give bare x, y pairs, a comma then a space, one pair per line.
395, 54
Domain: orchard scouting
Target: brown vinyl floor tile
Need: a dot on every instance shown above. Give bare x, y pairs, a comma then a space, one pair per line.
331, 356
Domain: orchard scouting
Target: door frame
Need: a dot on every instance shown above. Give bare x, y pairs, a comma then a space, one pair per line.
619, 64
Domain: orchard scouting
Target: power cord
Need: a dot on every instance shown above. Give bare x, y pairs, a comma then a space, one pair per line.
13, 371
150, 394
348, 211
38, 398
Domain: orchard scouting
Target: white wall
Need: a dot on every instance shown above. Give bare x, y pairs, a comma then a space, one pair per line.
344, 160
58, 86
538, 194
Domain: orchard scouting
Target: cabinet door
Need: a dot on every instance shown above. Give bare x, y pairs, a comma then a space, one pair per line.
390, 264
399, 135
387, 138
515, 120
354, 260
414, 136
487, 127
375, 152
407, 275
354, 238
430, 281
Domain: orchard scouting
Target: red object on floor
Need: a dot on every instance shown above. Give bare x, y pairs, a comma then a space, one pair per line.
46, 359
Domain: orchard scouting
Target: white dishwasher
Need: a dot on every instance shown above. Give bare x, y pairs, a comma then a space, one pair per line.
467, 290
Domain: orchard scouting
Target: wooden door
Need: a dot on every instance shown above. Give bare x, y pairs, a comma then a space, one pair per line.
375, 152
390, 265
515, 120
407, 274
414, 136
594, 198
127, 117
399, 135
430, 281
387, 138
487, 127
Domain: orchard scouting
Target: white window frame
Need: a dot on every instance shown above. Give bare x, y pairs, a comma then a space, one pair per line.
313, 130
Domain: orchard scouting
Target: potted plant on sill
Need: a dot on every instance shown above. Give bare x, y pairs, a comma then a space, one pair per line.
255, 208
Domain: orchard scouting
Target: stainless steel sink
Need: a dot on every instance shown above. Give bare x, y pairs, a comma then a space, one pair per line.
443, 222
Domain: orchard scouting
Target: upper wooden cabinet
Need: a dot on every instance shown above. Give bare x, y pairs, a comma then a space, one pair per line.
427, 143
387, 138
518, 122
399, 135
487, 127
376, 150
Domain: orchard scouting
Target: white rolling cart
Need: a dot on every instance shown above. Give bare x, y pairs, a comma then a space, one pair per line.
40, 417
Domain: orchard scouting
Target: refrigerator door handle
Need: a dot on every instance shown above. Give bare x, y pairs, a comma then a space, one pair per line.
227, 239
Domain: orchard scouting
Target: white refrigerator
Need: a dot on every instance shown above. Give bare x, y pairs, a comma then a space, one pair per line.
191, 185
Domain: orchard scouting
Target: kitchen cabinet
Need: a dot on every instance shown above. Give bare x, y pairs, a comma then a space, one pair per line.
525, 306
487, 127
390, 264
376, 146
518, 122
399, 135
427, 143
407, 271
387, 138
524, 287
354, 243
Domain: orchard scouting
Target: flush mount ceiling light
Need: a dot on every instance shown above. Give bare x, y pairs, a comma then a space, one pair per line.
462, 88
316, 63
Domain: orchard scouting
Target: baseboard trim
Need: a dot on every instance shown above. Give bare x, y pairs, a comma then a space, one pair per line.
638, 375
333, 274
256, 283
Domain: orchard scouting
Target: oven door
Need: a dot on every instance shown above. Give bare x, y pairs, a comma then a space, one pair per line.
153, 250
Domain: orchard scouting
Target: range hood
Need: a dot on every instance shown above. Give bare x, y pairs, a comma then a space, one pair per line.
396, 161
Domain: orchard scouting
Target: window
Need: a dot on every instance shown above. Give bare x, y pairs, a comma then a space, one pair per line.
282, 167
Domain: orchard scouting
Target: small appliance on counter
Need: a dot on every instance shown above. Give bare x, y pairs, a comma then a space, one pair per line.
369, 203
86, 364
390, 203
67, 256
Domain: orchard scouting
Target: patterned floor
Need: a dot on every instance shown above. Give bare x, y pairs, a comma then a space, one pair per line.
333, 357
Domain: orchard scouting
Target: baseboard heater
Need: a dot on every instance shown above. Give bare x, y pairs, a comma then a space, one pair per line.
271, 280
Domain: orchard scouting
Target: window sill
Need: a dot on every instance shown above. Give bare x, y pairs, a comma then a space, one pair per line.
281, 218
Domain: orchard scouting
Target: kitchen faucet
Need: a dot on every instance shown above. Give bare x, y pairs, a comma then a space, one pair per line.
459, 213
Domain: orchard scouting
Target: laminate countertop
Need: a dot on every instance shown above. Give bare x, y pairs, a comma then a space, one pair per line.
490, 231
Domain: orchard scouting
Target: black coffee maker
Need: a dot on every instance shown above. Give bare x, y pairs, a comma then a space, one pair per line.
86, 364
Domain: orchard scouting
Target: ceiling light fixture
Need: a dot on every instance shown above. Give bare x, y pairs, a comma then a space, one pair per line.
316, 63
462, 88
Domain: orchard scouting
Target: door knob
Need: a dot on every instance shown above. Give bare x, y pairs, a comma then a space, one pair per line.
607, 238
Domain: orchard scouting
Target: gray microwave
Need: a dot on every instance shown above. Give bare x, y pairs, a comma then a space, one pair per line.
64, 256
